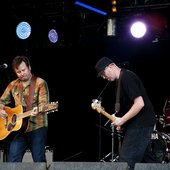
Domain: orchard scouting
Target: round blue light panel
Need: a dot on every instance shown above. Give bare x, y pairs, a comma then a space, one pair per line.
23, 30
53, 36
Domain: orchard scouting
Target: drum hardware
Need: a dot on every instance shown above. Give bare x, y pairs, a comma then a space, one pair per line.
161, 146
160, 118
114, 156
105, 157
159, 123
154, 136
165, 136
158, 146
160, 138
166, 115
112, 134
162, 123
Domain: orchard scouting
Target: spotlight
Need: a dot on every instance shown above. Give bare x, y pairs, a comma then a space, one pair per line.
111, 26
90, 8
53, 36
114, 7
23, 30
138, 29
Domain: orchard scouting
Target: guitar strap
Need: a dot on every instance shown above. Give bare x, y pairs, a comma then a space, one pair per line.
117, 104
29, 98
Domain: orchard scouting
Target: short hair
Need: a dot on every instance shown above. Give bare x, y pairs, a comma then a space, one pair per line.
18, 60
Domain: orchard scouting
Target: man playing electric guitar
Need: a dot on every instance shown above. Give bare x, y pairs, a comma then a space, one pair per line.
136, 114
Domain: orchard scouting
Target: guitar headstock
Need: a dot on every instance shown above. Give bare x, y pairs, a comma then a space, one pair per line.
96, 105
50, 107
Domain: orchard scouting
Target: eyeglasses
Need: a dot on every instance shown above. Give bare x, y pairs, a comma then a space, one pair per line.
103, 74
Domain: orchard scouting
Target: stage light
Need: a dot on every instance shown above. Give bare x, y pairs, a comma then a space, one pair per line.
114, 8
138, 29
53, 36
111, 26
23, 30
90, 8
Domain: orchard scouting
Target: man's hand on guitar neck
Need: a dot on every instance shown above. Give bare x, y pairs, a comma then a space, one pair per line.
34, 111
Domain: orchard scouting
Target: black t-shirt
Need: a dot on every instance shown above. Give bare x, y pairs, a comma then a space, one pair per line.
130, 88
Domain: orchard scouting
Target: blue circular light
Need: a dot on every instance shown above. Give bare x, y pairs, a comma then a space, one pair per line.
23, 30
53, 36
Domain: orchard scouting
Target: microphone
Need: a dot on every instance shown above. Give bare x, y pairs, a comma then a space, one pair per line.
4, 65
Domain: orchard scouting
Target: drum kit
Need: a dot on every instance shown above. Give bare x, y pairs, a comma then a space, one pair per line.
160, 140
161, 137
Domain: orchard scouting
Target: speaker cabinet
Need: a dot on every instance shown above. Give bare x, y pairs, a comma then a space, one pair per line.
88, 166
22, 165
152, 166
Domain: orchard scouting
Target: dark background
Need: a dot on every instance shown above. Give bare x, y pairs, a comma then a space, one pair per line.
76, 131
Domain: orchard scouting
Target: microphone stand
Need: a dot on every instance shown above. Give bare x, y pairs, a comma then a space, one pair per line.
112, 153
112, 134
114, 157
99, 98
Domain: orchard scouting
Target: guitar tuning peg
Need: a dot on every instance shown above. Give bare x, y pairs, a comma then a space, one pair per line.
94, 100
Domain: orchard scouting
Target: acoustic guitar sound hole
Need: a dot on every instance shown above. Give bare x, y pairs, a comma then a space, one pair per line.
14, 119
10, 126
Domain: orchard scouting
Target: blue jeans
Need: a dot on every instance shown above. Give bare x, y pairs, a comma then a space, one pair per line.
136, 147
34, 140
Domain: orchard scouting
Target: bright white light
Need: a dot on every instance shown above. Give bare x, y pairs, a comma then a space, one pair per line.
111, 27
138, 29
23, 30
53, 36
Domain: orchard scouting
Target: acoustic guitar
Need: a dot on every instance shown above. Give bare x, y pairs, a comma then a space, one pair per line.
17, 120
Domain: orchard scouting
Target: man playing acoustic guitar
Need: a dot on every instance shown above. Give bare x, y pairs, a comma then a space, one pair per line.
29, 93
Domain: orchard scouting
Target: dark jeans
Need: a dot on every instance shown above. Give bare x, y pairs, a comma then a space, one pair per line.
35, 141
136, 147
